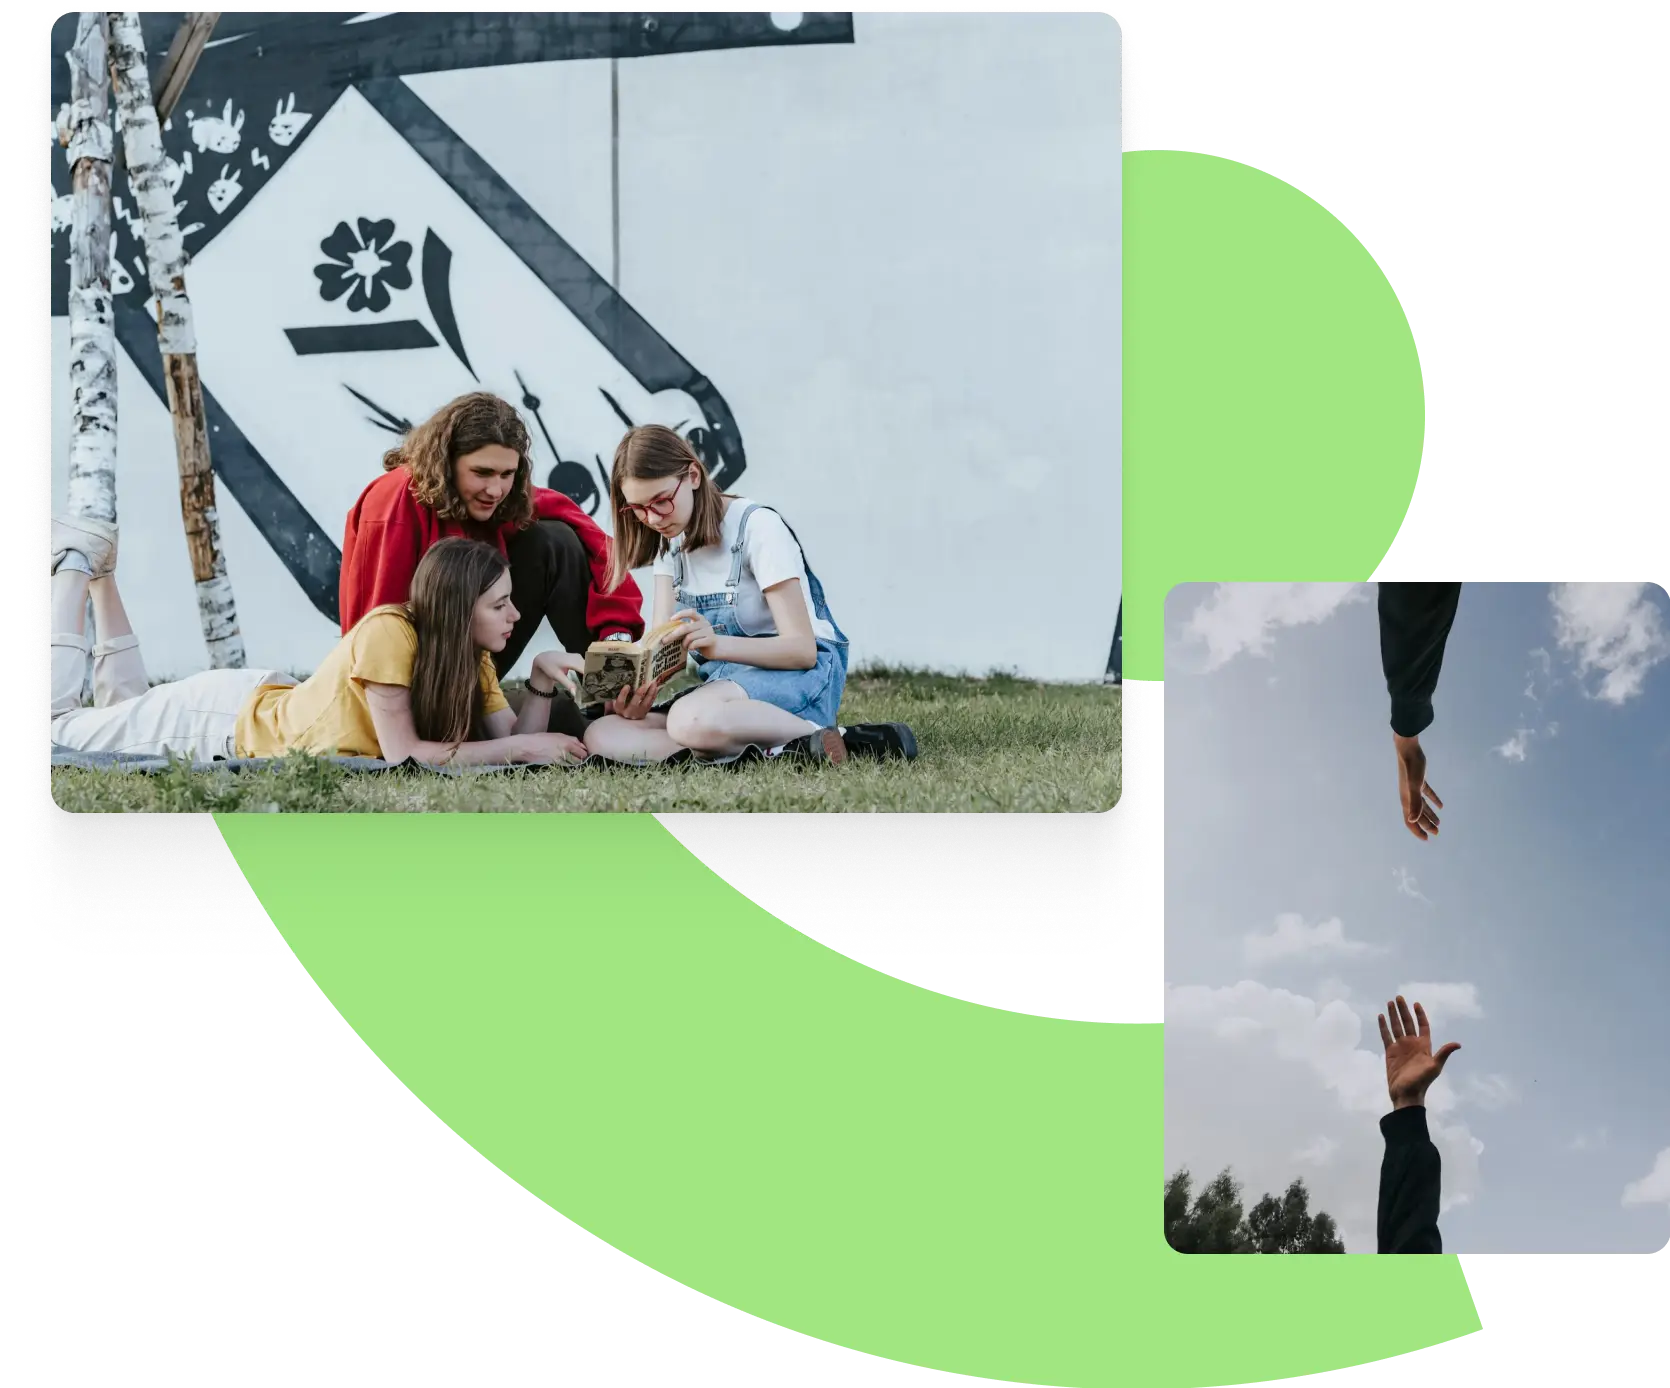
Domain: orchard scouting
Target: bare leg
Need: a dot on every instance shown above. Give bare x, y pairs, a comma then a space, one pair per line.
720, 719
636, 740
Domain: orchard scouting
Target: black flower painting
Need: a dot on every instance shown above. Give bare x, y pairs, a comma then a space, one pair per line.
368, 265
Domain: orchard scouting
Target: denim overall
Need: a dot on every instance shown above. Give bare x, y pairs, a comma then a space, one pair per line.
814, 694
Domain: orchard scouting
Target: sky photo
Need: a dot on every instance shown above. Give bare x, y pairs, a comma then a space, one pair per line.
1535, 927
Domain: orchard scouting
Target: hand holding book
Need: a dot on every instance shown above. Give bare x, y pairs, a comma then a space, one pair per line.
700, 635
613, 668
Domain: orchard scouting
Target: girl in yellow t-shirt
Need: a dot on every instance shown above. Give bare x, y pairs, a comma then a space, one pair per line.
413, 681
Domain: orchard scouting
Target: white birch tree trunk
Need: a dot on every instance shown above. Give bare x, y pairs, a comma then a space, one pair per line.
85, 129
165, 263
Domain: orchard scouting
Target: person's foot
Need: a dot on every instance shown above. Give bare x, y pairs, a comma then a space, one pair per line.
825, 745
881, 741
94, 540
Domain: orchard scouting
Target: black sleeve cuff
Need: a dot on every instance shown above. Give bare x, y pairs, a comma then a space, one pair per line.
1411, 716
1405, 1127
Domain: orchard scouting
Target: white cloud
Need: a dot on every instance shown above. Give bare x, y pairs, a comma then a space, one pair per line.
1490, 1092
1542, 668
1612, 630
1589, 1142
1243, 617
1514, 748
1654, 1187
1444, 1001
1326, 1040
1407, 885
1293, 938
1318, 1153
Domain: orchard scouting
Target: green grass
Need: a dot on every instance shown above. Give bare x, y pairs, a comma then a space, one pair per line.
985, 744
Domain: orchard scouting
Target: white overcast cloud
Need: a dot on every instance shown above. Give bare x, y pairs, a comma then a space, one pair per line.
1244, 617
1292, 938
1654, 1187
1613, 633
1443, 1001
1323, 1038
1409, 885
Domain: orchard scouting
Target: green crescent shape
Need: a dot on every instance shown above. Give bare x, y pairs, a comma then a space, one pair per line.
824, 1146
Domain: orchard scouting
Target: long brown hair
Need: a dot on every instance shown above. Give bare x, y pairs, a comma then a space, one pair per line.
430, 453
651, 453
446, 672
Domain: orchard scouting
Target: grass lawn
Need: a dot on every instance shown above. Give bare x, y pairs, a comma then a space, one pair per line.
985, 744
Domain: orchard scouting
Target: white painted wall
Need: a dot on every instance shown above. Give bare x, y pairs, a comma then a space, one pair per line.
897, 260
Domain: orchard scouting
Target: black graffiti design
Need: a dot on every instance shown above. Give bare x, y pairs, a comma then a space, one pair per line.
700, 441
396, 335
437, 289
346, 255
345, 272
568, 477
386, 419
222, 156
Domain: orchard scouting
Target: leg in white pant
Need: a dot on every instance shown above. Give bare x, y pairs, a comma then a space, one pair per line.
194, 717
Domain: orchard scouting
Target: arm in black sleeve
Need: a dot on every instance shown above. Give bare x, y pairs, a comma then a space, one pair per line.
1415, 621
1409, 1176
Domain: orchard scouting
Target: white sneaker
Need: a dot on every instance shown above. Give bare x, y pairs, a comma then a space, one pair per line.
94, 539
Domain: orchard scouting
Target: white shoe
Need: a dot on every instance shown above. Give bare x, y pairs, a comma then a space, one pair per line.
94, 539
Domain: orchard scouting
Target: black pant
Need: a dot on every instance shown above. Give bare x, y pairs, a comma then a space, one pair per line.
550, 580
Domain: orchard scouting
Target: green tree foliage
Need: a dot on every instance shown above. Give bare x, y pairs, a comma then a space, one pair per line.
1214, 1221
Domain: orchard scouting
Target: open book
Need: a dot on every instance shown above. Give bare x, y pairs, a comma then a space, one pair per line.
613, 665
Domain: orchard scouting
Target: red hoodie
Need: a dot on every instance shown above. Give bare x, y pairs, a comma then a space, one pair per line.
389, 529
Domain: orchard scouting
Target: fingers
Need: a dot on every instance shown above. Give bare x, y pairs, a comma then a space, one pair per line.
1404, 1017
1448, 1049
1414, 828
1421, 1022
1431, 794
1397, 1025
1385, 1031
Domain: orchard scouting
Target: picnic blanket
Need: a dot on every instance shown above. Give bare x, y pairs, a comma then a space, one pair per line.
152, 765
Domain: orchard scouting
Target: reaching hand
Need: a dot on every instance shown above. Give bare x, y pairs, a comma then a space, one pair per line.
561, 668
1420, 800
1411, 1067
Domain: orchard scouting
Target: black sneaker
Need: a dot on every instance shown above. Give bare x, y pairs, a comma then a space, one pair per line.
825, 745
880, 741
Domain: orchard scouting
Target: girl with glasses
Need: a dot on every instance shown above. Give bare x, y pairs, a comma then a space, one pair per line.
771, 659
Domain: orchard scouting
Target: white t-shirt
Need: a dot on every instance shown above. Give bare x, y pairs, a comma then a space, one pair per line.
769, 557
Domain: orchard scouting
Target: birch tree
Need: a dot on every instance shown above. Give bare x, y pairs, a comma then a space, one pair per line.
165, 264
84, 128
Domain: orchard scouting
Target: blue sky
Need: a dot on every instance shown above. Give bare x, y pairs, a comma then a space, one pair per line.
1537, 924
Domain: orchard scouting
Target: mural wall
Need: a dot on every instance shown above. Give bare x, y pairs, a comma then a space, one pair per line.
867, 265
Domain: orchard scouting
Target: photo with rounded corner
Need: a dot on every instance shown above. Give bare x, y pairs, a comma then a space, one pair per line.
1417, 918
585, 412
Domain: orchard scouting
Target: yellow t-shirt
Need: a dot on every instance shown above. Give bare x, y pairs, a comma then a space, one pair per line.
327, 713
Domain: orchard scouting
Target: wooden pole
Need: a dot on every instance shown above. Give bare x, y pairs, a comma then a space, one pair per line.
165, 263
181, 61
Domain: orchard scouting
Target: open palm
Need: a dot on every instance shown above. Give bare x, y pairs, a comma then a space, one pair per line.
1411, 1066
